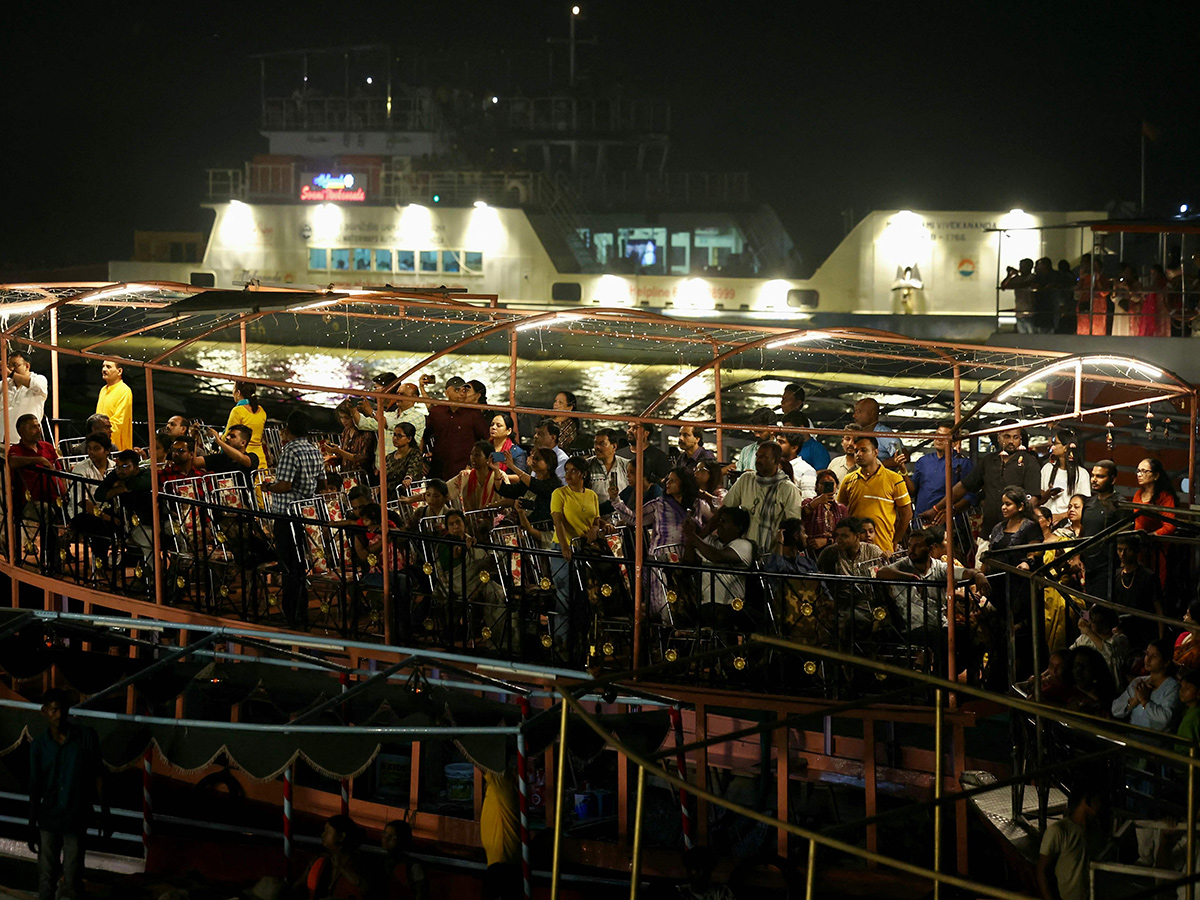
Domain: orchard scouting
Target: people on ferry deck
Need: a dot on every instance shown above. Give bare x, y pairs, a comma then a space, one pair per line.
335, 873
804, 473
723, 547
531, 488
792, 404
575, 510
404, 464
500, 431
409, 410
879, 493
1099, 512
927, 486
1045, 296
1154, 488
1152, 700
432, 502
1187, 644
1098, 629
116, 402
452, 431
249, 412
841, 465
1010, 464
691, 447
767, 494
356, 449
1127, 302
130, 481
605, 468
866, 418
710, 479
1020, 281
365, 418
568, 426
475, 487
1064, 475
807, 447
821, 513
95, 466
763, 416
1016, 528
1069, 845
848, 555
27, 391
235, 455
183, 460
31, 459
545, 437
657, 460
1136, 587
1091, 297
297, 471
1063, 280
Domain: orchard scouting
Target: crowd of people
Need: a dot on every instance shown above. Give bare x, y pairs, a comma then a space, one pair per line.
849, 514
1084, 300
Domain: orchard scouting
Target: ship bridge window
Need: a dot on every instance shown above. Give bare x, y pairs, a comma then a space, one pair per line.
429, 260
318, 258
383, 260
803, 299
473, 262
406, 261
339, 260
450, 261
362, 259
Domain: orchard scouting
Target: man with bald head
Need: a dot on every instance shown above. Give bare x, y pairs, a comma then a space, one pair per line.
866, 418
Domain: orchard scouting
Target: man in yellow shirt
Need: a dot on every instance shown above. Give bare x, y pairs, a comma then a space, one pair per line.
874, 491
116, 402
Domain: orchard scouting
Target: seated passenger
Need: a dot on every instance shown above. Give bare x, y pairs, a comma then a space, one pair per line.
820, 513
692, 451
356, 449
404, 464
234, 455
725, 548
130, 482
401, 877
849, 555
532, 489
546, 437
1152, 700
923, 610
183, 460
1098, 630
335, 872
476, 487
96, 467
431, 503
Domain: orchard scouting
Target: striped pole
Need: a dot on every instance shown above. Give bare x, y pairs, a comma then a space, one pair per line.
147, 806
345, 781
288, 774
685, 815
523, 784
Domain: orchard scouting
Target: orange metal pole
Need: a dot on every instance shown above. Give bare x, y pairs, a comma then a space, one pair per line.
1192, 450
245, 363
11, 525
155, 515
384, 538
54, 372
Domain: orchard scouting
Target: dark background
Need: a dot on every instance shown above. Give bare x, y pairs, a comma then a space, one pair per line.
112, 112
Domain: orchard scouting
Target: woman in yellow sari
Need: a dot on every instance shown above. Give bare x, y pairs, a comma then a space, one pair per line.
1056, 608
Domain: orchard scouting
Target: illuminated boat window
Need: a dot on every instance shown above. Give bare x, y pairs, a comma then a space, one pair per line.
318, 258
473, 261
339, 260
429, 260
362, 259
383, 260
449, 261
405, 261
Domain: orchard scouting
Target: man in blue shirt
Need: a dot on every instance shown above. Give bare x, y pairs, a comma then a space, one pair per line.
866, 418
927, 485
299, 467
64, 780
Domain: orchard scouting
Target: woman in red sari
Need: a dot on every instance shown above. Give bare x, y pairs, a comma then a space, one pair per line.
1091, 298
1154, 489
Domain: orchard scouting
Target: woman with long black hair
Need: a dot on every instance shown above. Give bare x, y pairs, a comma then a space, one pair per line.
1064, 475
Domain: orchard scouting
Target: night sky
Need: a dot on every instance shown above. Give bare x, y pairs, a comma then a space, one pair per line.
113, 112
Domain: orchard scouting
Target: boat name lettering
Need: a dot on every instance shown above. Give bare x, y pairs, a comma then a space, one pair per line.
332, 195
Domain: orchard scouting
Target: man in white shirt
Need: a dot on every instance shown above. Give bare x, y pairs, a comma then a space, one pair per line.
727, 548
27, 392
843, 465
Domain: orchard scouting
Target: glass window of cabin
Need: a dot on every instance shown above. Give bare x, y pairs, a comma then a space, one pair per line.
318, 258
339, 260
429, 260
473, 262
362, 259
383, 260
450, 261
406, 261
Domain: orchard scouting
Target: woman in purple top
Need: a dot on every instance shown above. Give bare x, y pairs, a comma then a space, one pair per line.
663, 518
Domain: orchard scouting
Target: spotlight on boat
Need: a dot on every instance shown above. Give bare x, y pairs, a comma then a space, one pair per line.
481, 204
574, 10
495, 99
1183, 207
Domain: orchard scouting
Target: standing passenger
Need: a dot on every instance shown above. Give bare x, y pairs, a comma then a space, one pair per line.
116, 402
